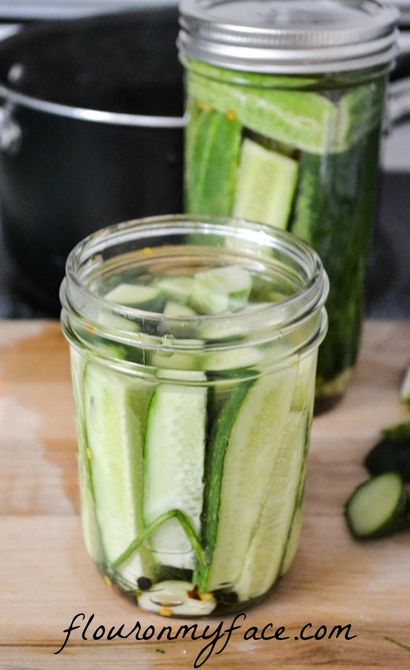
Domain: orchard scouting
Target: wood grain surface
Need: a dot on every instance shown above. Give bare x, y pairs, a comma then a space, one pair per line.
46, 577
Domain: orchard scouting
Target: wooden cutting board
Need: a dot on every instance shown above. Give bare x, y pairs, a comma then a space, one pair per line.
46, 577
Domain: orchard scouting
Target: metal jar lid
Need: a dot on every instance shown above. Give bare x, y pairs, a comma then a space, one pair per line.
289, 36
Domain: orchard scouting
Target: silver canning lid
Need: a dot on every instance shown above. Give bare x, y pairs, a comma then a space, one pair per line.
289, 36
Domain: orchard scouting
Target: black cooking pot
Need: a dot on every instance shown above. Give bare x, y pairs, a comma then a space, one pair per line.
90, 134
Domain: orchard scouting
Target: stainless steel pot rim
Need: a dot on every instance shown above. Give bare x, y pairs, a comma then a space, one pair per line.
92, 115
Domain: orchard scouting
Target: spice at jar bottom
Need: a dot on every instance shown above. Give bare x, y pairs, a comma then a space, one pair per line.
193, 372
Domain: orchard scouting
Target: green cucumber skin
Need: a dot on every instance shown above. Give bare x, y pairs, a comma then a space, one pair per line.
297, 517
318, 116
301, 119
250, 78
246, 435
214, 463
212, 155
334, 210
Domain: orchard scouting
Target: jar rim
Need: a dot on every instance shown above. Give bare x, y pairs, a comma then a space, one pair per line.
267, 323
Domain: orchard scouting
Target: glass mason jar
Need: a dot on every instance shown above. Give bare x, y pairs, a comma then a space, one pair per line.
285, 103
193, 422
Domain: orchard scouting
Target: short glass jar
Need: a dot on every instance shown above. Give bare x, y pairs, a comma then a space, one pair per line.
193, 422
285, 102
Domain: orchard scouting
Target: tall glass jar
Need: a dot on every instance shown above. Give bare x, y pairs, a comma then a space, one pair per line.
285, 103
193, 423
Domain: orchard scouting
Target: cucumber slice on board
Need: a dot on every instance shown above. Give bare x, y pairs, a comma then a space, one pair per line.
239, 465
302, 119
378, 507
174, 454
399, 430
149, 298
212, 162
392, 452
115, 411
266, 185
268, 543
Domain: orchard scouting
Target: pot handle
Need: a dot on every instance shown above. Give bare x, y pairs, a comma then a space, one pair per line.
10, 131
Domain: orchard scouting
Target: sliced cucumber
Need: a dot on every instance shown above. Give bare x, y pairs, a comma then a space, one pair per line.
115, 412
392, 452
239, 466
149, 298
174, 467
91, 531
174, 309
405, 388
302, 119
266, 185
305, 384
268, 543
212, 160
117, 322
399, 430
296, 527
233, 359
377, 507
255, 79
221, 290
293, 541
177, 360
225, 328
177, 289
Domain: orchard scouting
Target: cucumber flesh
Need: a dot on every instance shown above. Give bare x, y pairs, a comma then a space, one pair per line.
221, 290
247, 434
266, 185
234, 359
293, 541
305, 385
91, 531
115, 411
178, 289
174, 467
174, 309
377, 507
149, 298
268, 543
